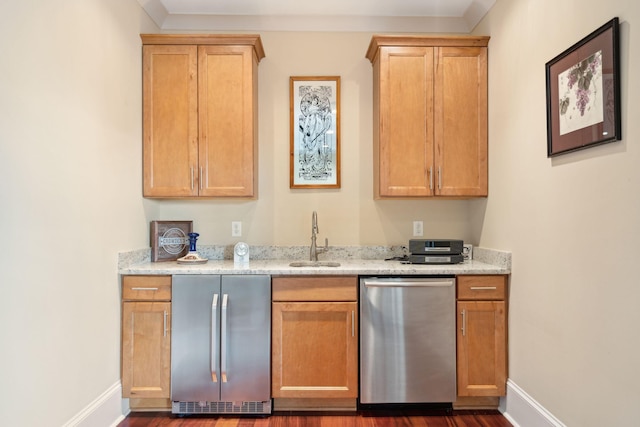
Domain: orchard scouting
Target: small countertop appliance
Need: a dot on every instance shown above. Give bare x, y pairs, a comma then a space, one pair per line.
436, 251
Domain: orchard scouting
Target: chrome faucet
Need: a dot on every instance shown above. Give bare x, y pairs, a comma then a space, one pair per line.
313, 256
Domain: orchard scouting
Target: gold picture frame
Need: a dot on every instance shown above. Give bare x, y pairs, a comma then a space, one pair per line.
314, 154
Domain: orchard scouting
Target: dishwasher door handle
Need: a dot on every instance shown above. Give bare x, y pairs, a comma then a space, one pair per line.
407, 283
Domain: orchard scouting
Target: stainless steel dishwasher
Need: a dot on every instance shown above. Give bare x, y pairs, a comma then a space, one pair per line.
221, 344
407, 340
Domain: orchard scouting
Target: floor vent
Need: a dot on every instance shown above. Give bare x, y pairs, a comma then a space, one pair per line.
221, 407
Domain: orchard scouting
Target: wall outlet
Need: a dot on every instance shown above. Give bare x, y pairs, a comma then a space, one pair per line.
417, 229
236, 228
467, 252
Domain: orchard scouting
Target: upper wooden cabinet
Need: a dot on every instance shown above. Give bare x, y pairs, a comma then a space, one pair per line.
200, 115
430, 116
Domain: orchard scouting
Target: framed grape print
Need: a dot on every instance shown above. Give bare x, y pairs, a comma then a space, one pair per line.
583, 93
314, 153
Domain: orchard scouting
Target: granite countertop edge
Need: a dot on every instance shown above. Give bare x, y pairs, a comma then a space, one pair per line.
485, 261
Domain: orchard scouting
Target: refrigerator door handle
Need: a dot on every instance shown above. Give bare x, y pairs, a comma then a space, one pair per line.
214, 338
223, 347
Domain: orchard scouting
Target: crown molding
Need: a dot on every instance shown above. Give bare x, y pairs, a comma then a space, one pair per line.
168, 21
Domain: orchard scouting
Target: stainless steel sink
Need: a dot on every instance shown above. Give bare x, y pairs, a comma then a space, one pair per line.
314, 264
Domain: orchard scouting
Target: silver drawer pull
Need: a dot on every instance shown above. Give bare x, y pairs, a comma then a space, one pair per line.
483, 288
144, 289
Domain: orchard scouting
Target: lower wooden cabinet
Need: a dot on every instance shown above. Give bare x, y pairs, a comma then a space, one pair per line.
146, 340
314, 342
482, 335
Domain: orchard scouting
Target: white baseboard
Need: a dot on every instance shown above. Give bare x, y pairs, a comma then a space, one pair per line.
106, 410
518, 407
523, 411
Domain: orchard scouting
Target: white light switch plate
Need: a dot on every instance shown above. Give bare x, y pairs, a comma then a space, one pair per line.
418, 229
236, 229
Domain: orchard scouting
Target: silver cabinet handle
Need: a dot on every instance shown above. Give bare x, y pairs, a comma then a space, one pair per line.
439, 177
483, 288
464, 322
430, 178
353, 323
201, 177
214, 338
191, 177
223, 347
144, 289
165, 323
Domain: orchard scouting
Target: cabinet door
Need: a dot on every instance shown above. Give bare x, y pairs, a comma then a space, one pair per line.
461, 121
146, 349
481, 337
170, 121
227, 78
404, 144
314, 350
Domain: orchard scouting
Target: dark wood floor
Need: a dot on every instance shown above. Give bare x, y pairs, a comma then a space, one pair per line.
457, 419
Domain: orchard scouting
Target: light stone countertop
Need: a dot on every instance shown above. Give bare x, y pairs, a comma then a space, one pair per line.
281, 267
485, 261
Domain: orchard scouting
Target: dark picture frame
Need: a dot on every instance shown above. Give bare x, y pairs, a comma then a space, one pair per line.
583, 93
314, 151
169, 239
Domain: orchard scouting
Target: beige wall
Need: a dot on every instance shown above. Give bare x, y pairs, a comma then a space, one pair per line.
347, 216
70, 165
70, 160
572, 222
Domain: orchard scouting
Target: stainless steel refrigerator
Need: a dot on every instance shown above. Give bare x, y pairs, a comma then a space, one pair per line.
220, 347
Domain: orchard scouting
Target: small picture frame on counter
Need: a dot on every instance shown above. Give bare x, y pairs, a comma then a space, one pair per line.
169, 239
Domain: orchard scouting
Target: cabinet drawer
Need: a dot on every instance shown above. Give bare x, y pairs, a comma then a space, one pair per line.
482, 287
315, 288
146, 288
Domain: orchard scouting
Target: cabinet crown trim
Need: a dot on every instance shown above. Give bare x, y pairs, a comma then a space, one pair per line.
253, 40
378, 41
